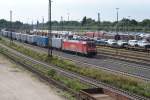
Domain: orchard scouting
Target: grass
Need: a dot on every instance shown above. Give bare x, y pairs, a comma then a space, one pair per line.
126, 83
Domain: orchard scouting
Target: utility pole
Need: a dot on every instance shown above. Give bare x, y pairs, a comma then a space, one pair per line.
50, 31
68, 21
117, 21
117, 35
42, 24
68, 16
99, 21
99, 18
128, 26
11, 39
32, 25
37, 27
62, 24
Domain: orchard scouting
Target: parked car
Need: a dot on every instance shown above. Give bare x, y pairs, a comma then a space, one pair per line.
101, 42
144, 44
133, 43
122, 43
112, 42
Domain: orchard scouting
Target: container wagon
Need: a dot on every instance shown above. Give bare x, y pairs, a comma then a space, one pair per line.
18, 36
57, 43
24, 37
42, 41
5, 33
14, 35
31, 39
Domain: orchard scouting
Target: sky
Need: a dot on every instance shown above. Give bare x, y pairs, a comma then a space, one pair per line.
33, 10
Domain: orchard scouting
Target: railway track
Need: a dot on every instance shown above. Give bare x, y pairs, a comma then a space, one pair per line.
12, 54
107, 64
145, 56
128, 48
126, 55
111, 65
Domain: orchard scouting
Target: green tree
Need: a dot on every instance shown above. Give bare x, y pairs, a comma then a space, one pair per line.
84, 21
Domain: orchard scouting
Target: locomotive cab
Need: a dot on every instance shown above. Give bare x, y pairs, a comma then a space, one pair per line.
91, 48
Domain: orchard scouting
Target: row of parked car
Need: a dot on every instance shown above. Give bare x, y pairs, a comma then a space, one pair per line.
123, 43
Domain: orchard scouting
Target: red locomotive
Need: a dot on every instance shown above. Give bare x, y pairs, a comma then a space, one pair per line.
82, 47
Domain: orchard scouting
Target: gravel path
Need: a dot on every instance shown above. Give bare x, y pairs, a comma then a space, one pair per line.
17, 84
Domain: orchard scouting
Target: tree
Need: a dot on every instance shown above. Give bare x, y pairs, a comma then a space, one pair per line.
133, 22
145, 22
84, 21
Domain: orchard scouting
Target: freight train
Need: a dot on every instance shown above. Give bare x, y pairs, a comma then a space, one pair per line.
87, 48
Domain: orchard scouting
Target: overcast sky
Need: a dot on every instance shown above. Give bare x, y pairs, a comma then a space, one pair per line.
28, 10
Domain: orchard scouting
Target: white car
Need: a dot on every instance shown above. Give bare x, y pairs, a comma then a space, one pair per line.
112, 42
133, 42
144, 44
122, 43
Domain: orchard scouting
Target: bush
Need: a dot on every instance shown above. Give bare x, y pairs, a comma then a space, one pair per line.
51, 72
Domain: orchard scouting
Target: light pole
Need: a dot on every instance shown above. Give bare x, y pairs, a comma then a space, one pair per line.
68, 14
42, 25
62, 27
117, 36
99, 21
11, 39
50, 31
128, 26
117, 20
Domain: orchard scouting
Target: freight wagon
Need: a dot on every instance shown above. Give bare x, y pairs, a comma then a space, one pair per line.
8, 34
32, 39
42, 41
1, 33
57, 43
5, 33
18, 36
14, 35
24, 37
